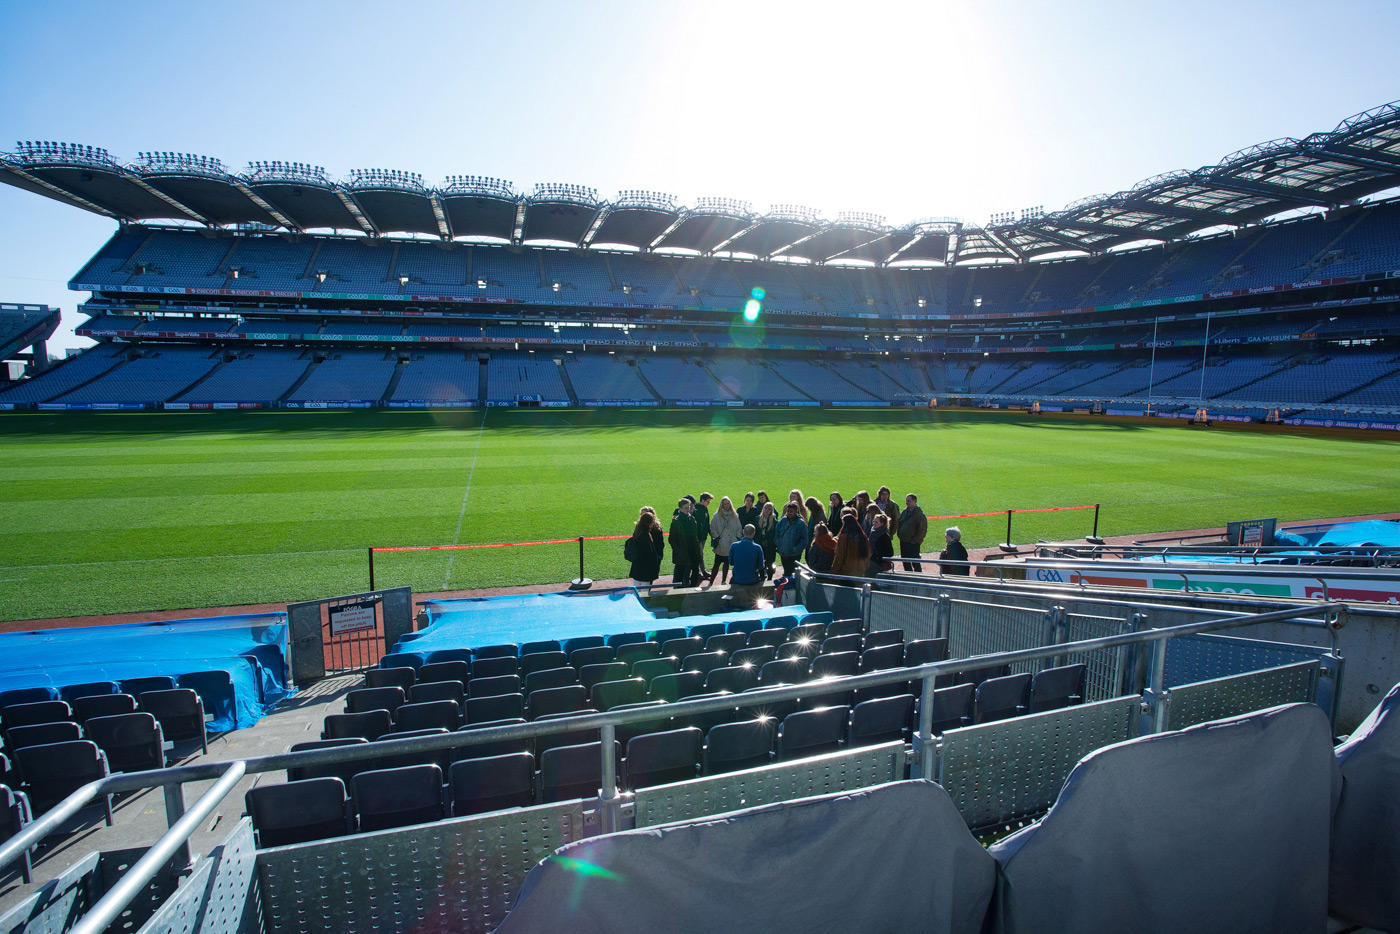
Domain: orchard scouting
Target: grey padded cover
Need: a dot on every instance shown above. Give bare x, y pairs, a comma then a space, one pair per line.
894, 857
1366, 829
1219, 827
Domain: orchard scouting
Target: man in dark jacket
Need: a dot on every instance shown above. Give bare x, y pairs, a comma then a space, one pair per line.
954, 552
685, 545
748, 513
791, 538
702, 533
911, 529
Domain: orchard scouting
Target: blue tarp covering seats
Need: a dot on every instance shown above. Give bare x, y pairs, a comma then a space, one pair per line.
243, 689
892, 858
1220, 827
1365, 887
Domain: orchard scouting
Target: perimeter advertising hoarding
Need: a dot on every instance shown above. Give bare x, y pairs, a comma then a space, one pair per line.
1373, 590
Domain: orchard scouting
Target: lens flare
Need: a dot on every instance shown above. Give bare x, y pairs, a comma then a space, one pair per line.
752, 307
587, 869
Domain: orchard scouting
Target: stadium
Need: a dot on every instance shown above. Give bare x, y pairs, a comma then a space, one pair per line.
1027, 746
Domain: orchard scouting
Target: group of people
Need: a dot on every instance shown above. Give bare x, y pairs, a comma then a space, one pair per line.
851, 538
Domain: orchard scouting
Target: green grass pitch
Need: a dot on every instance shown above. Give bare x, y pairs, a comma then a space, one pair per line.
117, 513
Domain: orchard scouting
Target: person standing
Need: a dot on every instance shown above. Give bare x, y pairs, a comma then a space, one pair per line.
881, 548
815, 516
861, 504
645, 549
868, 517
748, 513
834, 513
823, 551
888, 507
746, 558
954, 551
852, 548
796, 497
767, 530
702, 532
790, 539
685, 547
911, 528
725, 530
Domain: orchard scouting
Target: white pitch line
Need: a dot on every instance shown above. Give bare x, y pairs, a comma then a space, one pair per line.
457, 536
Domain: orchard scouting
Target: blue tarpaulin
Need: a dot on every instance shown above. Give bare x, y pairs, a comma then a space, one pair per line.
519, 618
252, 649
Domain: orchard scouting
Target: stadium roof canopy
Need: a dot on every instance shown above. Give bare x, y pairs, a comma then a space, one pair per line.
1360, 157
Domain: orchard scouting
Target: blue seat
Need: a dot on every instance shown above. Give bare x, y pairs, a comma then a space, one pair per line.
882, 720
681, 647
493, 687
14, 817
401, 660
675, 687
734, 679
549, 678
952, 707
822, 617
592, 655
606, 695
398, 797
619, 639
495, 667
478, 785
498, 707
437, 690
369, 725
215, 689
853, 642
704, 631
744, 744
728, 643
649, 668
565, 698
457, 671
844, 627
495, 747
449, 655
40, 734
570, 646
138, 686
925, 652
180, 713
881, 637
835, 665
1000, 698
1233, 836
50, 711
757, 656
544, 645
745, 626
16, 696
634, 652
542, 661
1054, 688
340, 770
55, 770
403, 678
771, 638
571, 772
102, 705
661, 636
661, 758
783, 671
441, 714
704, 662
71, 692
298, 811
390, 699
812, 732
498, 651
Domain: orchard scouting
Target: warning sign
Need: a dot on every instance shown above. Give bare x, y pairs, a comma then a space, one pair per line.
354, 617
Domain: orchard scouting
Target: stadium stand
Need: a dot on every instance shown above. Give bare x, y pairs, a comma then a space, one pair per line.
439, 377
349, 376
512, 377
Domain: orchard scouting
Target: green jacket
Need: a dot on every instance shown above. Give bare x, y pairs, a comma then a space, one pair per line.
912, 527
702, 523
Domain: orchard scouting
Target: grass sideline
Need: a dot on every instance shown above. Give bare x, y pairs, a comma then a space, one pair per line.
128, 512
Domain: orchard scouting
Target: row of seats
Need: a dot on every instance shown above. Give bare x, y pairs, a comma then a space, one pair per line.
215, 688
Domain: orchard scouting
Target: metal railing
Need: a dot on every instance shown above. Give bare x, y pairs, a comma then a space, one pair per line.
226, 775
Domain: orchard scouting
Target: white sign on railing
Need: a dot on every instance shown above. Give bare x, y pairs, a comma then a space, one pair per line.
354, 617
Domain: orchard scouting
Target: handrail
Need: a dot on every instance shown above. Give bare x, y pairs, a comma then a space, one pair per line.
1265, 570
121, 894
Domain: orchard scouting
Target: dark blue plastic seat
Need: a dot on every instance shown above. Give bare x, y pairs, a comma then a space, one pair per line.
812, 732
661, 636
649, 668
849, 643
340, 770
437, 691
476, 786
391, 678
562, 699
298, 811
809, 632
835, 665
882, 658
845, 627
567, 738
609, 694
882, 720
215, 690
783, 671
495, 667
41, 734
619, 639
952, 707
71, 692
28, 714
744, 744
805, 649
499, 707
390, 699
438, 757
879, 637
450, 655
550, 678
133, 742
675, 687
102, 705
180, 713
493, 687
728, 643
457, 671
704, 662
572, 772
570, 646
507, 650
138, 686
399, 797
592, 655
443, 714
369, 725
1000, 698
542, 661
744, 626
634, 652
544, 645
767, 637
1054, 688
705, 630
734, 679
925, 651
680, 648
401, 660
495, 747
590, 675
54, 771
757, 656
16, 696
14, 816
662, 758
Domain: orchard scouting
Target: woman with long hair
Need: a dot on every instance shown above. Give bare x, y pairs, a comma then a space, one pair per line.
823, 551
724, 531
645, 548
796, 497
852, 554
767, 534
834, 513
815, 514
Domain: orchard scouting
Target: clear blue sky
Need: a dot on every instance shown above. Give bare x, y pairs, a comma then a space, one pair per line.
905, 110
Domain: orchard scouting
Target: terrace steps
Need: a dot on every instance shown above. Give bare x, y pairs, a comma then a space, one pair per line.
1387, 375
305, 375
641, 375
222, 266
310, 270
568, 382
399, 369
481, 380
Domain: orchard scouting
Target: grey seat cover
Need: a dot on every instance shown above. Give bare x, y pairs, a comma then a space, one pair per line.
1220, 827
1365, 886
893, 857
